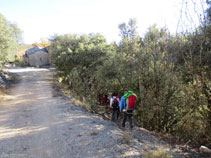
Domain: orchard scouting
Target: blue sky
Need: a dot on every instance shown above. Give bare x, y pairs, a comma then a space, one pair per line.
44, 18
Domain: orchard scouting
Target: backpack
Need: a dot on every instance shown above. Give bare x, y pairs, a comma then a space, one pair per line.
130, 103
115, 104
131, 100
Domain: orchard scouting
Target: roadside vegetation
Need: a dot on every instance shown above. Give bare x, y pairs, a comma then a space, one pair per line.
10, 36
170, 74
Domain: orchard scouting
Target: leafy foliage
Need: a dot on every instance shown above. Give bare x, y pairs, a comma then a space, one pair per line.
170, 75
10, 35
208, 12
43, 43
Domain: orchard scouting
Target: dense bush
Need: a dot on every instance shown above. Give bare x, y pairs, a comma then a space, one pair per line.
10, 35
170, 75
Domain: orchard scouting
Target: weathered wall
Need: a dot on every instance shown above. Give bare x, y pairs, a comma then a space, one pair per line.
26, 60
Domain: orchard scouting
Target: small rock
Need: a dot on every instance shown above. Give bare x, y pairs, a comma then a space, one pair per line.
204, 149
1, 80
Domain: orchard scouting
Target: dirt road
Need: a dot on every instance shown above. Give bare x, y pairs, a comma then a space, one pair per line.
36, 123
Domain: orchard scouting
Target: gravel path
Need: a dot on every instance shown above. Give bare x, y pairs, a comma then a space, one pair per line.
37, 123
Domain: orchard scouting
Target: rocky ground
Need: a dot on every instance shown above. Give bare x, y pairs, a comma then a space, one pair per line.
38, 122
7, 78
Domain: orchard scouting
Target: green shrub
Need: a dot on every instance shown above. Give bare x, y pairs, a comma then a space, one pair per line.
169, 74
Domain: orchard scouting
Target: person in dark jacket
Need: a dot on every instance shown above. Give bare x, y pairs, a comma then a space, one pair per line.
114, 105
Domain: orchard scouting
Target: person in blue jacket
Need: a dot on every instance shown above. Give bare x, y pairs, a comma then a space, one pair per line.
127, 106
122, 103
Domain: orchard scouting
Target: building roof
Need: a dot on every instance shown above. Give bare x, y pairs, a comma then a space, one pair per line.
35, 49
44, 49
32, 50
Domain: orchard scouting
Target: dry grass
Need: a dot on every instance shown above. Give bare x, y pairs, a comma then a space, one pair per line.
81, 104
1, 93
67, 92
125, 139
158, 154
93, 133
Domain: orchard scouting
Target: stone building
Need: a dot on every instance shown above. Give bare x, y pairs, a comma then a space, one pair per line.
36, 57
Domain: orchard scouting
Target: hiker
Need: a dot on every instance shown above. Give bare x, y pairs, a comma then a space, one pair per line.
127, 104
104, 99
100, 98
114, 105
